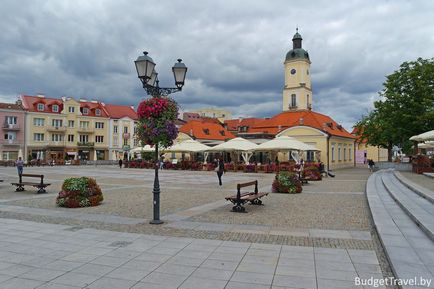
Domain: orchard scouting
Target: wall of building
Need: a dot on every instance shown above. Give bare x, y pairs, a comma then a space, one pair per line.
10, 149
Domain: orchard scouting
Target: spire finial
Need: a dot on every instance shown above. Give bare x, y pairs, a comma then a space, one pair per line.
296, 28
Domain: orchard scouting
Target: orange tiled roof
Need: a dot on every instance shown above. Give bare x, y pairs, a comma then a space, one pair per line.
120, 111
287, 119
93, 106
358, 135
206, 129
10, 106
30, 103
233, 124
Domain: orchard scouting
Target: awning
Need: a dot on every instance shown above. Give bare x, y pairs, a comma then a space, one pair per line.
72, 153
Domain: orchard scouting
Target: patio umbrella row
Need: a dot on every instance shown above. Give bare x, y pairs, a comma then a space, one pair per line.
237, 145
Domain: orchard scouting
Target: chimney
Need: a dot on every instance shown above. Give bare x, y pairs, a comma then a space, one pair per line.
301, 121
41, 95
191, 132
63, 98
82, 100
279, 127
94, 101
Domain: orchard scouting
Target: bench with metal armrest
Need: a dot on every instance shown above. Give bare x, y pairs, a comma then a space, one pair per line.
241, 198
40, 185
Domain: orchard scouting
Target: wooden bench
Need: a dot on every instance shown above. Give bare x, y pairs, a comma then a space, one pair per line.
241, 198
41, 185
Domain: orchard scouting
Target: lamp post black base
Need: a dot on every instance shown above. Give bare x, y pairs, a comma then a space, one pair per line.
156, 222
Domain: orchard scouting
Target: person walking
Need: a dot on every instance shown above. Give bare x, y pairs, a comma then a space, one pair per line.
161, 161
220, 169
371, 165
120, 163
20, 165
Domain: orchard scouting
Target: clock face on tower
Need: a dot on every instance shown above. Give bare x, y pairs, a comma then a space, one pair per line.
293, 71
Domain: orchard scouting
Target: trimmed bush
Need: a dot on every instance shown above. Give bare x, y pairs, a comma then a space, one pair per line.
287, 183
79, 192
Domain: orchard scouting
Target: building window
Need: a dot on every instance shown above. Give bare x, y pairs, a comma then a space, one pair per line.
345, 153
310, 156
135, 128
99, 125
38, 137
125, 129
339, 154
84, 138
333, 153
71, 109
56, 122
70, 123
41, 106
38, 122
70, 138
115, 129
97, 112
293, 100
99, 138
84, 124
55, 108
308, 101
56, 137
85, 110
11, 120
115, 141
136, 142
11, 136
125, 141
350, 155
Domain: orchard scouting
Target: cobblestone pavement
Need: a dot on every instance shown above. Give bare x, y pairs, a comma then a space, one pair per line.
331, 214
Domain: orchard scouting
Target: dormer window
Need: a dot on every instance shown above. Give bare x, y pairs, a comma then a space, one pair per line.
206, 131
222, 132
55, 108
97, 112
40, 106
85, 110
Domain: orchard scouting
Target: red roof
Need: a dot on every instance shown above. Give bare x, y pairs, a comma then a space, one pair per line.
30, 103
206, 129
10, 106
234, 124
358, 135
120, 111
287, 119
93, 106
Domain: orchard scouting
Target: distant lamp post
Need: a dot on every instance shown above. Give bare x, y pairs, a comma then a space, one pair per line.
145, 67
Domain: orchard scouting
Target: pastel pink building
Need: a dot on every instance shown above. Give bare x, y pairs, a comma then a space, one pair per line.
12, 124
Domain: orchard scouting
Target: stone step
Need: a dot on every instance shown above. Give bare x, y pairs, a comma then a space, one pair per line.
420, 210
409, 250
421, 191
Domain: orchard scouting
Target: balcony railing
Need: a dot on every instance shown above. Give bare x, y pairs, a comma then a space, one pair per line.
56, 143
56, 128
86, 129
8, 126
85, 144
10, 142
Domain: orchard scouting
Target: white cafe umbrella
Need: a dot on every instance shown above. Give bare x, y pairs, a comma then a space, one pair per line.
282, 143
146, 148
189, 146
20, 154
426, 145
426, 136
238, 144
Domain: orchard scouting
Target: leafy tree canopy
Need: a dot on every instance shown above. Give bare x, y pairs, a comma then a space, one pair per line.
405, 108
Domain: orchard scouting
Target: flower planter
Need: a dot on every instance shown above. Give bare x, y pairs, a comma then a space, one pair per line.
286, 183
79, 192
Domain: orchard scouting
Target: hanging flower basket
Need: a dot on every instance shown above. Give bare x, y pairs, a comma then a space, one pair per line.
287, 183
157, 118
79, 192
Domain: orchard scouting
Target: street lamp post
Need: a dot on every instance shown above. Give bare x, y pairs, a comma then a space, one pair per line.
145, 67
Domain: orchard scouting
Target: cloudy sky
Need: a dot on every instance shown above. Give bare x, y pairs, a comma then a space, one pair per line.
234, 50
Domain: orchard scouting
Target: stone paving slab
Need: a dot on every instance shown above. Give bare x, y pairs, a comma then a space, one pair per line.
194, 263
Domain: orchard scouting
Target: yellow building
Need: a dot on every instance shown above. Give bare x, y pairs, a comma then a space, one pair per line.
65, 129
365, 152
220, 114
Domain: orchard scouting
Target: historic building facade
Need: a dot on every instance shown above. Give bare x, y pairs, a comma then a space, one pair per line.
13, 128
336, 145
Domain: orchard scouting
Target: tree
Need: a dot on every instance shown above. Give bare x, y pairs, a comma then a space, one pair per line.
405, 108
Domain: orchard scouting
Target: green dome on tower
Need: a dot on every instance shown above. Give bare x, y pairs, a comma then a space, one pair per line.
297, 52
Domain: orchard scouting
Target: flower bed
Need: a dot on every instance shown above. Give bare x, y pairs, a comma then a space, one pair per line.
312, 173
287, 183
79, 192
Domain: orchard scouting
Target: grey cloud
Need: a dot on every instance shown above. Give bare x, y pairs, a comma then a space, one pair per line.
234, 49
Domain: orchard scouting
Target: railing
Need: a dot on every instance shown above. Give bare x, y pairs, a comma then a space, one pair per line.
56, 143
8, 126
56, 128
126, 135
10, 142
86, 129
85, 144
